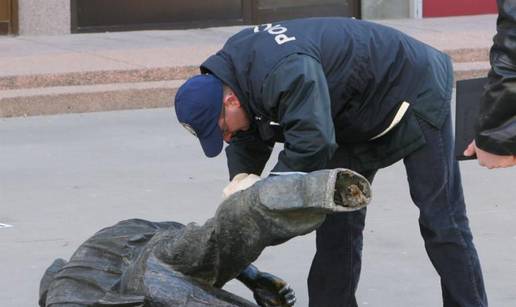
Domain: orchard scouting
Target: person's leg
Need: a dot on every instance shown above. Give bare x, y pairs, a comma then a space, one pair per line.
335, 269
436, 189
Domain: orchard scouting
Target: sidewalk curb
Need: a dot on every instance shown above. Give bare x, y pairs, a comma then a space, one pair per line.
97, 91
97, 77
82, 99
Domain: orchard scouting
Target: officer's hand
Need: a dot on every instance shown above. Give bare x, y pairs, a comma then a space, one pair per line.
240, 182
271, 291
488, 159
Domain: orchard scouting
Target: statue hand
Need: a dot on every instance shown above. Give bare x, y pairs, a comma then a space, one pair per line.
271, 291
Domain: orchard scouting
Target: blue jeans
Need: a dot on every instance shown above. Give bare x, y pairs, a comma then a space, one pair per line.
435, 187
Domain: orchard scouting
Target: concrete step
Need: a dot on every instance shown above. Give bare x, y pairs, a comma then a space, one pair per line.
471, 70
87, 98
178, 72
79, 92
97, 77
468, 55
120, 96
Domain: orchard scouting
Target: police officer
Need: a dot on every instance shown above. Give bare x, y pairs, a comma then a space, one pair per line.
347, 93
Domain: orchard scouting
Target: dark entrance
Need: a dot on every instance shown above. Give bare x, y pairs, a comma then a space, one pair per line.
273, 10
120, 15
8, 17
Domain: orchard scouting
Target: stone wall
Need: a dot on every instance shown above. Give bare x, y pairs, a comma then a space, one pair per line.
386, 9
44, 17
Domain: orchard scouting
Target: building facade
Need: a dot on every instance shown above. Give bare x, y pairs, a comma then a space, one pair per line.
54, 17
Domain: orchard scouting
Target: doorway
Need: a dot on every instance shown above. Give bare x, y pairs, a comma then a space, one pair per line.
264, 11
123, 15
8, 17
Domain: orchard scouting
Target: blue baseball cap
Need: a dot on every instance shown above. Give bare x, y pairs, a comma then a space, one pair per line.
198, 104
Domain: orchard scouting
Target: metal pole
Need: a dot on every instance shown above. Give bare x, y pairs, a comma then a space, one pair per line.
416, 9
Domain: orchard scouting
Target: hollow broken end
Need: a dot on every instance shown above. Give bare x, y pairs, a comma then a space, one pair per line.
352, 191
354, 197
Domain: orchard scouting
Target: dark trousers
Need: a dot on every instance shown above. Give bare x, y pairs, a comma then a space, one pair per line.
435, 187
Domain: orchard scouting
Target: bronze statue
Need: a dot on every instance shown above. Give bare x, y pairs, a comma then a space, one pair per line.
142, 263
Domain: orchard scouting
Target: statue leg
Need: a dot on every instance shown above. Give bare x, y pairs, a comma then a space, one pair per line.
268, 213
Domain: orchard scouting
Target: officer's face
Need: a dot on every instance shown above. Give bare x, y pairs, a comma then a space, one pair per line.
233, 117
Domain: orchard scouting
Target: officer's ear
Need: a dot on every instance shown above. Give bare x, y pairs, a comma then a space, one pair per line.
230, 98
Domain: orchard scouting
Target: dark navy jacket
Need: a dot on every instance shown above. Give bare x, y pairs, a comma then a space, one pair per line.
326, 83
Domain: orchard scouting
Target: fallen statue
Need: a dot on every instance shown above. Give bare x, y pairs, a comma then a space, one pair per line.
142, 263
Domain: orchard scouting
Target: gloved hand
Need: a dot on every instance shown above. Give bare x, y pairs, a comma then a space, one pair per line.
240, 182
268, 290
272, 291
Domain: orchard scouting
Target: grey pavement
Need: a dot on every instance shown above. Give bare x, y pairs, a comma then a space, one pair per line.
149, 49
24, 55
63, 177
111, 71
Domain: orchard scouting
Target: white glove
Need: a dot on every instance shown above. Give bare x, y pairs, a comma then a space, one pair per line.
240, 182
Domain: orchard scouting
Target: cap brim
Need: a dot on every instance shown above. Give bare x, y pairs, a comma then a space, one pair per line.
212, 144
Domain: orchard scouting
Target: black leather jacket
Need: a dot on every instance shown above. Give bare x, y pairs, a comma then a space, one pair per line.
496, 125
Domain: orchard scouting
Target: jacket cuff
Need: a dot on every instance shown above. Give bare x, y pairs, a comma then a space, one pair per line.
499, 141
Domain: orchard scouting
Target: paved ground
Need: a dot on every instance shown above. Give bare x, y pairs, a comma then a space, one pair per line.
64, 177
30, 55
